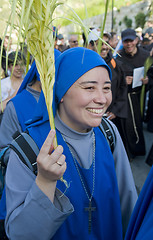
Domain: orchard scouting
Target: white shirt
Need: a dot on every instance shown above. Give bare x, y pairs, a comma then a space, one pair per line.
6, 88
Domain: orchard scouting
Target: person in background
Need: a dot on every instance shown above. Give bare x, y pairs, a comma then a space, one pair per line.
11, 84
25, 101
61, 46
149, 35
139, 33
113, 41
93, 39
73, 41
133, 57
82, 93
145, 43
8, 48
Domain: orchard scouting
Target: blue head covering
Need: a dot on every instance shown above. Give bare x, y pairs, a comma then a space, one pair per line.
29, 77
33, 72
69, 67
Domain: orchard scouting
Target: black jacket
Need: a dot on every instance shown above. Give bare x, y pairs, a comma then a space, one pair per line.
119, 87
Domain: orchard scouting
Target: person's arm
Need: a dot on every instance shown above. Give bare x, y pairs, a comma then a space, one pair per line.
126, 184
32, 214
9, 125
4, 103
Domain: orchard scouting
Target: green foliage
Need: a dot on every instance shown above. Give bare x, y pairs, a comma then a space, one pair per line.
96, 7
103, 26
127, 21
140, 20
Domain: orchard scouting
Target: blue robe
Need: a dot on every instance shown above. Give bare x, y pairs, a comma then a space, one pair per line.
3, 205
106, 220
141, 222
24, 104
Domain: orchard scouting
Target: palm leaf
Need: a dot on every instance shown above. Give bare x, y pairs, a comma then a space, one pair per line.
35, 24
103, 27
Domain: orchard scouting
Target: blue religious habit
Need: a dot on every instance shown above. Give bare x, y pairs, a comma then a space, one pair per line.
100, 219
141, 222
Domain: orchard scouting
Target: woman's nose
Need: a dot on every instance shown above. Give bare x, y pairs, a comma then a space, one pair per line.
100, 97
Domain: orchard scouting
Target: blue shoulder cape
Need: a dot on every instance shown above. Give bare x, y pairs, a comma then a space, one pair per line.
106, 220
25, 104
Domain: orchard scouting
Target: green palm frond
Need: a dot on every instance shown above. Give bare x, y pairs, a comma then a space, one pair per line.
35, 25
103, 27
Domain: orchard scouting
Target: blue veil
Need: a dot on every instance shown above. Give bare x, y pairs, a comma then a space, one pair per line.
69, 67
33, 72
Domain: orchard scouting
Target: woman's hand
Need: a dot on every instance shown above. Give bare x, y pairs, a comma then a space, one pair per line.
51, 166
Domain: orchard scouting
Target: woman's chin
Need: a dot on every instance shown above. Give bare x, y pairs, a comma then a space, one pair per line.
96, 123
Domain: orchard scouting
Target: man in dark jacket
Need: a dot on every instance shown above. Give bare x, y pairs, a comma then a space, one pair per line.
133, 57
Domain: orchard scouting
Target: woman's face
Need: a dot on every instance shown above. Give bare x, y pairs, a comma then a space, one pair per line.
84, 104
18, 70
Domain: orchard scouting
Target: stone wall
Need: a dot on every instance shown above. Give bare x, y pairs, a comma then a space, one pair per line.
96, 21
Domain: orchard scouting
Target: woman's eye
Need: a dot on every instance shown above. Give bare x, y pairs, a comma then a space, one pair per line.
89, 88
107, 88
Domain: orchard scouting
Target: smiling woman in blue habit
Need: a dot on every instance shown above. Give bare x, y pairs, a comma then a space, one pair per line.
42, 207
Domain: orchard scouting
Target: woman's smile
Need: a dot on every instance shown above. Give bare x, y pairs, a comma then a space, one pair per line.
96, 110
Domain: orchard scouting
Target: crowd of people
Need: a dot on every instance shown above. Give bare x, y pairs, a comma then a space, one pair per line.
100, 200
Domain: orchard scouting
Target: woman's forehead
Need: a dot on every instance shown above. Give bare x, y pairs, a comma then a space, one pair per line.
95, 72
94, 76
